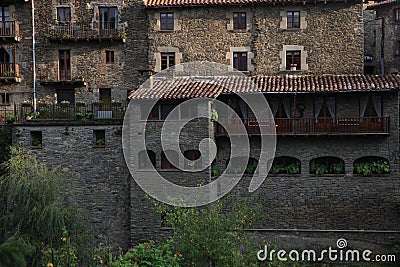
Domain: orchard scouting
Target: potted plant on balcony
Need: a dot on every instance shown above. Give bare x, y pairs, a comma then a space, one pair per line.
293, 66
100, 142
80, 78
80, 103
64, 103
27, 103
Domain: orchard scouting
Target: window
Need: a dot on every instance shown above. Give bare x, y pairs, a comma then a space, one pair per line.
190, 159
239, 20
240, 61
285, 165
147, 159
293, 19
324, 107
293, 60
66, 95
327, 165
108, 18
99, 137
239, 166
188, 111
64, 65
368, 166
171, 162
396, 15
64, 14
4, 14
370, 108
167, 60
167, 21
36, 139
5, 99
109, 57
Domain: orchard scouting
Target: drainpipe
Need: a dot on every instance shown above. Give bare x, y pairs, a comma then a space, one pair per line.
34, 55
382, 46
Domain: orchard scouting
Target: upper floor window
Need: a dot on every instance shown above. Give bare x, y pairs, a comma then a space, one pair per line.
240, 61
4, 99
108, 18
64, 14
370, 107
167, 21
293, 19
4, 13
396, 14
293, 60
239, 20
169, 160
324, 107
64, 65
167, 60
109, 57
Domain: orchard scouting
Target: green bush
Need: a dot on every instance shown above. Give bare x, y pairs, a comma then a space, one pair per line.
13, 252
36, 205
213, 236
149, 254
370, 168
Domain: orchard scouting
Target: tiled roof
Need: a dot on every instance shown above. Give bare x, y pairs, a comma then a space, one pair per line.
189, 87
383, 3
171, 3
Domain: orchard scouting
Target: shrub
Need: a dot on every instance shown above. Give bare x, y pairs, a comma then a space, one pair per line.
213, 236
149, 254
36, 205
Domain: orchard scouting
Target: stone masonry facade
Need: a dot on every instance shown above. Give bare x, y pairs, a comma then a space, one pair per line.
331, 41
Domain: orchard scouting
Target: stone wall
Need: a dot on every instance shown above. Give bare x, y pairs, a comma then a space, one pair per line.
123, 213
22, 90
391, 40
98, 174
88, 57
333, 37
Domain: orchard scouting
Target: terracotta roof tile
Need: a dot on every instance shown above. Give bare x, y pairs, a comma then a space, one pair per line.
171, 3
383, 3
189, 87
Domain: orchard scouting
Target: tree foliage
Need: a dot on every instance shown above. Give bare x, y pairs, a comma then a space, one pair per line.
36, 204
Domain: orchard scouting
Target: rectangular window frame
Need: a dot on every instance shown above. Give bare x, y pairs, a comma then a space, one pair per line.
107, 21
396, 15
64, 65
167, 21
5, 99
168, 60
36, 139
293, 59
110, 57
99, 138
293, 19
240, 60
239, 21
63, 14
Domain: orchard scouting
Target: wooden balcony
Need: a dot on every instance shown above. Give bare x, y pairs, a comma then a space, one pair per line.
10, 30
10, 72
309, 126
84, 32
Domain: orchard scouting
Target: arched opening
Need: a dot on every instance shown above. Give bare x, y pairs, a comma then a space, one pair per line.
237, 165
371, 165
190, 159
169, 160
147, 159
327, 165
285, 165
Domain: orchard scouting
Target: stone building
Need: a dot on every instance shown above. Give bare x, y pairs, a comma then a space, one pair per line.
307, 60
384, 43
15, 55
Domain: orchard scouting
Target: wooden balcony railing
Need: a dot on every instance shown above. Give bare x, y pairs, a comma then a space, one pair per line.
70, 112
9, 70
9, 29
308, 126
84, 32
